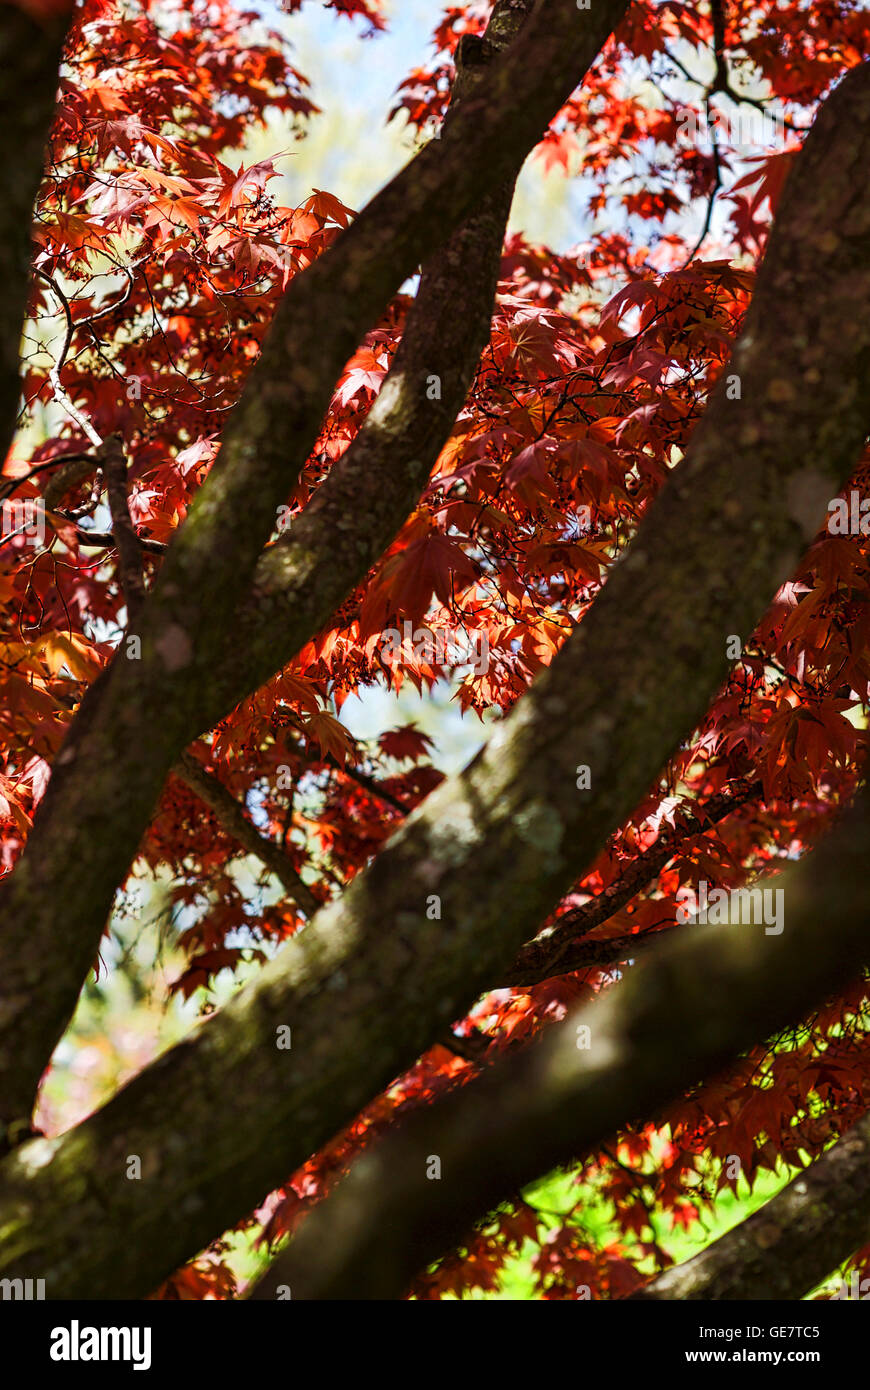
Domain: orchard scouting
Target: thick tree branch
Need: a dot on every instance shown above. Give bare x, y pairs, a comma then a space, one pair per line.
203, 783
369, 984
791, 1243
102, 790
369, 493
30, 52
691, 1007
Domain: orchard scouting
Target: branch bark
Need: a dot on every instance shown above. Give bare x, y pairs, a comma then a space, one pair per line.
370, 492
103, 790
30, 52
691, 1007
114, 464
369, 984
793, 1242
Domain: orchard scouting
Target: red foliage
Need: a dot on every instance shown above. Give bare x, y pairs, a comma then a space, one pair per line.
171, 260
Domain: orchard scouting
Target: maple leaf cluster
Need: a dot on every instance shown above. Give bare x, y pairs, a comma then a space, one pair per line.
161, 259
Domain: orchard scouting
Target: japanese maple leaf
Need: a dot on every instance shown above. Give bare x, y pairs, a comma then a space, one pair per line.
364, 373
434, 564
407, 743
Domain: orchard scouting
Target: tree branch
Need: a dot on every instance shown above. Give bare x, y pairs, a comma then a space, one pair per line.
720, 988
104, 540
211, 790
791, 1243
114, 465
557, 951
30, 52
61, 396
328, 550
102, 790
368, 985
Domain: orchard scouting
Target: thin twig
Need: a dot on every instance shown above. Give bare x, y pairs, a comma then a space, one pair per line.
60, 395
558, 950
104, 540
234, 819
